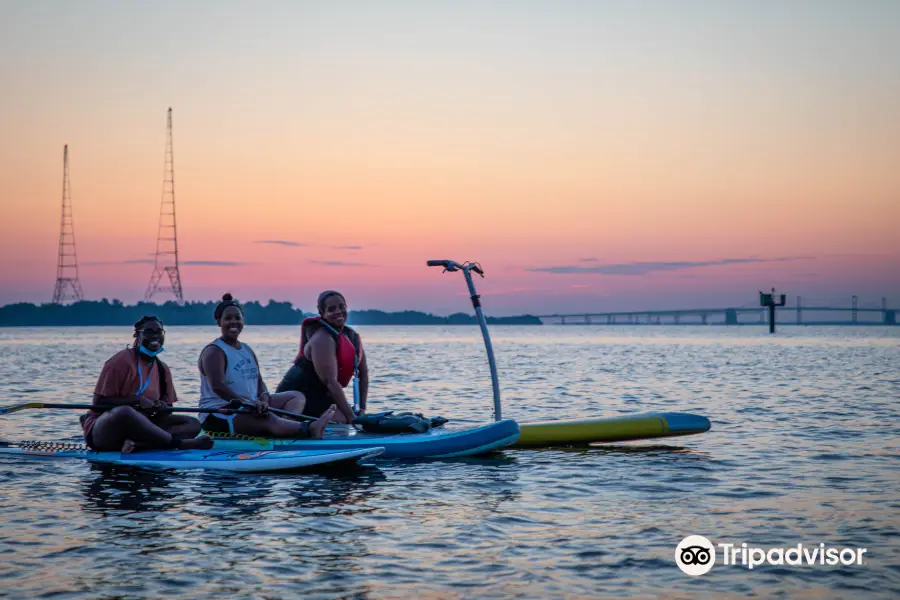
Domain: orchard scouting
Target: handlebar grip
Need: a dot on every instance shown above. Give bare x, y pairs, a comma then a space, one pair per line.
478, 270
439, 263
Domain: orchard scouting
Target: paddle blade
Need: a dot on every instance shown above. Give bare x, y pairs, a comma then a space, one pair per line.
5, 410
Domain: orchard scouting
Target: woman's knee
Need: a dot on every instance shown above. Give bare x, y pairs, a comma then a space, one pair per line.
190, 427
123, 413
288, 400
295, 399
185, 420
113, 426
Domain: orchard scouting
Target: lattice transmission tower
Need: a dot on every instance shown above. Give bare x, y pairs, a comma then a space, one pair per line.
68, 286
166, 261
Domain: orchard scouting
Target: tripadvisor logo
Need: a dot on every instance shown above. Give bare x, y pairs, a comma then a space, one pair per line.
696, 555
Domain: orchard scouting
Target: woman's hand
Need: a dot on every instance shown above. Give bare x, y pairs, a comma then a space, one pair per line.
261, 406
151, 407
146, 404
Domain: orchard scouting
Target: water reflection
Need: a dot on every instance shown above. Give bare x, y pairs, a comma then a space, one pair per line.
289, 533
495, 478
123, 488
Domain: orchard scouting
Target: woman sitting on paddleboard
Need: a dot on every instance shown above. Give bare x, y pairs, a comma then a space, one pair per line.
330, 354
230, 377
140, 386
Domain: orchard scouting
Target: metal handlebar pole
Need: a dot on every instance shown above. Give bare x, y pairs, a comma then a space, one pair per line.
476, 303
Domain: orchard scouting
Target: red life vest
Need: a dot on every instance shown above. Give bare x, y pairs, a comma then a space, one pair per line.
347, 342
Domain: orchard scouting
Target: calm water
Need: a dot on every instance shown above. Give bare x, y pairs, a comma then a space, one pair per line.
803, 449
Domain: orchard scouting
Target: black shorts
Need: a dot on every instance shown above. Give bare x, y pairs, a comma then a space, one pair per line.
214, 424
301, 377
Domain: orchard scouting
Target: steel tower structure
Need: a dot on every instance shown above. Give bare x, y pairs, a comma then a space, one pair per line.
68, 286
166, 261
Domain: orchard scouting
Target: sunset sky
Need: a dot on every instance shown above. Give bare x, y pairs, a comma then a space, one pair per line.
592, 155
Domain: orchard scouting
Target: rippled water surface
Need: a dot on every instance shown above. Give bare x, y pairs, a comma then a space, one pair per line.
803, 449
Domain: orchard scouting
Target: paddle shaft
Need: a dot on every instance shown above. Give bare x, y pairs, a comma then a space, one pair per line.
105, 407
286, 413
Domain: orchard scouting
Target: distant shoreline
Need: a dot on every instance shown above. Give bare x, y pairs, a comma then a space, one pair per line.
116, 314
105, 313
502, 321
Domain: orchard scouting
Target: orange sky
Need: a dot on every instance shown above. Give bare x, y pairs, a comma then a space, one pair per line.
642, 144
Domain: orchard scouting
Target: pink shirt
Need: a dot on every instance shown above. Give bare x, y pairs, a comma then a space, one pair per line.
120, 379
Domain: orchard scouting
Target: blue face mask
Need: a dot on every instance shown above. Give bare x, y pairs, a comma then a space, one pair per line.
150, 353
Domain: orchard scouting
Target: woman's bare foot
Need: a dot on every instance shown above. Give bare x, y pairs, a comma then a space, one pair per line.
317, 427
339, 418
204, 442
128, 446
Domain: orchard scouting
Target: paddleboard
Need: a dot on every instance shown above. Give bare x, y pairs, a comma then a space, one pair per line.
435, 443
241, 461
610, 429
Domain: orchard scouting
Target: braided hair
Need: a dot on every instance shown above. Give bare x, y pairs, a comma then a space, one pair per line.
227, 300
140, 325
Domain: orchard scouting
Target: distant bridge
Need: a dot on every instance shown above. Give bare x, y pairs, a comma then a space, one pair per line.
786, 315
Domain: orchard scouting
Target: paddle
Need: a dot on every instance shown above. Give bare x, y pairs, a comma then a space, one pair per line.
5, 410
278, 411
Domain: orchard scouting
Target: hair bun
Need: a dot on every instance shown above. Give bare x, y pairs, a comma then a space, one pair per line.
227, 300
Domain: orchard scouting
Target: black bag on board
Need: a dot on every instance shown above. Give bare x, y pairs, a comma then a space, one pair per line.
405, 422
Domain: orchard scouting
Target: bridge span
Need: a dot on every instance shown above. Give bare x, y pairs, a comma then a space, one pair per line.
786, 315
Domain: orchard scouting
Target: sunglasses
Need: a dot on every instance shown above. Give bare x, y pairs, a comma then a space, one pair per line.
153, 332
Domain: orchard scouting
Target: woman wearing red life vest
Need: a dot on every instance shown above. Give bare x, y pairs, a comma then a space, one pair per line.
330, 354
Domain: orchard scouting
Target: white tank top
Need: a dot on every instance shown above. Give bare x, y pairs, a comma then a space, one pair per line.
241, 375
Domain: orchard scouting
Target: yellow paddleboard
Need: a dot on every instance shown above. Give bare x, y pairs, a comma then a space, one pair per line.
614, 429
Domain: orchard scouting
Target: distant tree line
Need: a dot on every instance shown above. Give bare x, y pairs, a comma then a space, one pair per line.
105, 312
412, 317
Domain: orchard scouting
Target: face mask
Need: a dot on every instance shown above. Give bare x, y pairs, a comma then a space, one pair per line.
150, 353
